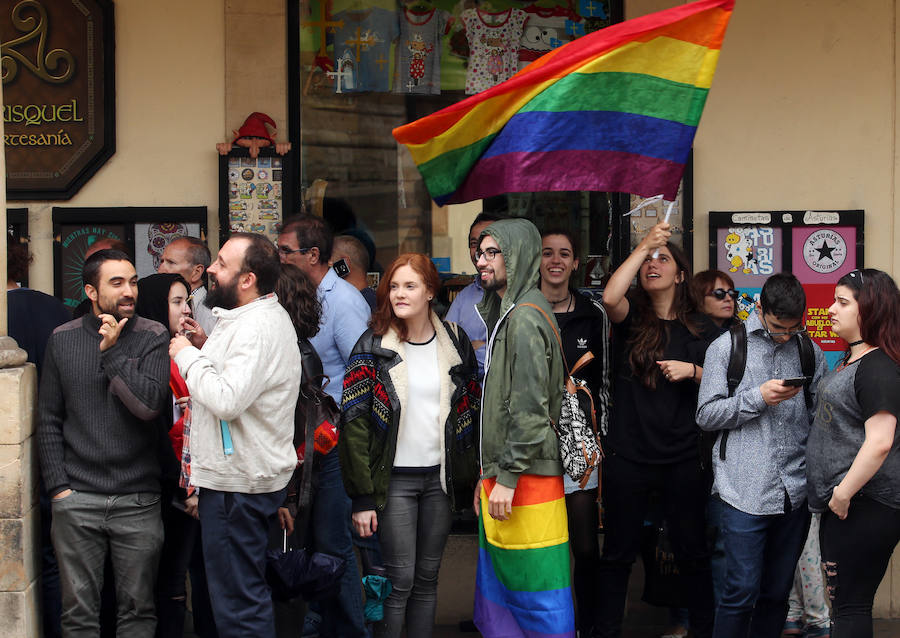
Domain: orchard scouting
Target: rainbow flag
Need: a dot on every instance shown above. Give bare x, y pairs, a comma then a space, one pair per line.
522, 587
615, 110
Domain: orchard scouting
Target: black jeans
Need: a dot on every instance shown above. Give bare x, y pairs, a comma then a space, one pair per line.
181, 531
855, 555
582, 511
684, 487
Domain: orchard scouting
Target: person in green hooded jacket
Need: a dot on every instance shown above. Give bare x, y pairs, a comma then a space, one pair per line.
523, 580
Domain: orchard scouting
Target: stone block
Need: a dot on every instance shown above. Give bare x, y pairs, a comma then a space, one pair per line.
18, 478
18, 387
19, 612
19, 551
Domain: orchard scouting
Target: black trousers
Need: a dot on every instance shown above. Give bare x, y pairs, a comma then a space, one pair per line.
855, 554
684, 487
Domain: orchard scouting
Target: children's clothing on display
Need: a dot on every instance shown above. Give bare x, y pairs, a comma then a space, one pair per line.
362, 49
547, 29
419, 51
493, 45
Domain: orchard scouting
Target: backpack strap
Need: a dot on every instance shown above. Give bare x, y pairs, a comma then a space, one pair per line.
807, 364
737, 362
585, 359
567, 380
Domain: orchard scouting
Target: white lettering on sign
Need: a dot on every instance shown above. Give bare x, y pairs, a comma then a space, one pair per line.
751, 218
820, 217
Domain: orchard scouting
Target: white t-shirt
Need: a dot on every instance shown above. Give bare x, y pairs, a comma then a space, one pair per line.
419, 437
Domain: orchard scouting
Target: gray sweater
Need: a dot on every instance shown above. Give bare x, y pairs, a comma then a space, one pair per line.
99, 426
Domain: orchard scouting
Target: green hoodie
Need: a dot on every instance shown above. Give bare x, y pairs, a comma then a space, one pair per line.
523, 370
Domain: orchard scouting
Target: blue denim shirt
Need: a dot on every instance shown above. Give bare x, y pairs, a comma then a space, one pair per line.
345, 316
462, 312
766, 450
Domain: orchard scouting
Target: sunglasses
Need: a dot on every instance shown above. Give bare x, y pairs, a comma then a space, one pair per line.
857, 273
721, 293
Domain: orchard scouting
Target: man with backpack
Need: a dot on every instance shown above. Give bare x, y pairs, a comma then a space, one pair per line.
523, 564
758, 390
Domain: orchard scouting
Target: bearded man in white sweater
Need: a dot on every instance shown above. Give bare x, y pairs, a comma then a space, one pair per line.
243, 385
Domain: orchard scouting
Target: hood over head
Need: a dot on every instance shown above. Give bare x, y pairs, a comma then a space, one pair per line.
520, 246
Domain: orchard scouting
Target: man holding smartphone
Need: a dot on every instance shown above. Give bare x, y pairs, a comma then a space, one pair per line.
761, 476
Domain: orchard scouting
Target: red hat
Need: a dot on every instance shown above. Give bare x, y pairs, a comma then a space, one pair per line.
255, 126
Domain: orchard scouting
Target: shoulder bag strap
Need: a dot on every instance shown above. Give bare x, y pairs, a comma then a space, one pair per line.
552, 327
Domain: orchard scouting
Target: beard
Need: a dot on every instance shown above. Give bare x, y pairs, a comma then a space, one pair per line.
221, 295
111, 307
493, 284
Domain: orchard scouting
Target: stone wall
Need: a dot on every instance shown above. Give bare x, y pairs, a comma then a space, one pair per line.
19, 517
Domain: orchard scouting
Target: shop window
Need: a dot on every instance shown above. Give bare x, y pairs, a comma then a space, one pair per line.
360, 68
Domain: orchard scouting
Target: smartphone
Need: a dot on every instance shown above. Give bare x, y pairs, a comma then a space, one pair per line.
341, 268
796, 381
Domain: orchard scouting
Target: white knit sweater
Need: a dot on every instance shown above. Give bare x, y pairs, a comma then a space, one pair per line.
247, 374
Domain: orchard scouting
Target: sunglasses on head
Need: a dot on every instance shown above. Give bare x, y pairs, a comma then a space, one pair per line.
721, 293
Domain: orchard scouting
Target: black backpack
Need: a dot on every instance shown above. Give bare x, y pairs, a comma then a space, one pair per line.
738, 361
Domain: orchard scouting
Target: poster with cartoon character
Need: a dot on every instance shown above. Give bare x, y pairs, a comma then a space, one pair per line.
818, 247
749, 254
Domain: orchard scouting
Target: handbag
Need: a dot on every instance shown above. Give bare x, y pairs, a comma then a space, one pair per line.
579, 442
300, 572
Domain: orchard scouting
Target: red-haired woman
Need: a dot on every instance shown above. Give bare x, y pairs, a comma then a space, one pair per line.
853, 455
409, 440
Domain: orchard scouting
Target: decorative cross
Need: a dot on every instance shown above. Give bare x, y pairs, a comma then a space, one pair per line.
592, 9
324, 26
411, 85
342, 73
575, 29
381, 62
361, 41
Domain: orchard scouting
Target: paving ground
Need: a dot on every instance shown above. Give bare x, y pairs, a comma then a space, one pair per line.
456, 586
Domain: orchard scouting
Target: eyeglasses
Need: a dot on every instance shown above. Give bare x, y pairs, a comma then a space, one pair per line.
721, 293
488, 254
857, 273
789, 333
285, 250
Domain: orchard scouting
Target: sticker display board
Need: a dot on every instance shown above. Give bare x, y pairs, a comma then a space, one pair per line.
253, 193
819, 247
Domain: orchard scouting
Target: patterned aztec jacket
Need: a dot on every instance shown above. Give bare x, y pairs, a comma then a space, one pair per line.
375, 392
523, 369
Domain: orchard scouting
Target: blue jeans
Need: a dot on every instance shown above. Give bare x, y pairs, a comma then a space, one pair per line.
235, 531
761, 553
342, 616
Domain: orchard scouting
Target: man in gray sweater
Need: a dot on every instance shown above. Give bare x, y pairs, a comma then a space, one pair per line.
103, 385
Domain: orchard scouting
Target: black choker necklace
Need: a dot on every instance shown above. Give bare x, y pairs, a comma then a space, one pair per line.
855, 343
566, 298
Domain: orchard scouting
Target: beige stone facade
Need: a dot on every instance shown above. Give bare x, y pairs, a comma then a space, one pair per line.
802, 115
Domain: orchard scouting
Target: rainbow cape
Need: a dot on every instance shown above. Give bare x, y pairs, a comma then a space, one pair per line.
522, 586
615, 110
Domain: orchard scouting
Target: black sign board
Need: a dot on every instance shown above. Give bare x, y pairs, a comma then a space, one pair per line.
58, 68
